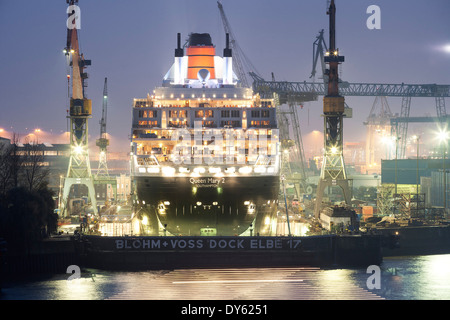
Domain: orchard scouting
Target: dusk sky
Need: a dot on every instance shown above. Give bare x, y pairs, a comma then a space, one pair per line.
132, 44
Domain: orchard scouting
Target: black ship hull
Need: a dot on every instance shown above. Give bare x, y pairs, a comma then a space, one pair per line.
213, 206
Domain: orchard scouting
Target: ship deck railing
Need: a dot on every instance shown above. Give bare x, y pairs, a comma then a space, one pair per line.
260, 160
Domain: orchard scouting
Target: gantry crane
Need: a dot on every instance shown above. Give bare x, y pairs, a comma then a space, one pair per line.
103, 142
80, 110
102, 178
240, 61
333, 168
319, 49
240, 65
378, 127
310, 91
286, 119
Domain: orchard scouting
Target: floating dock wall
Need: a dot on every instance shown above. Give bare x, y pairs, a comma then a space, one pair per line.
135, 253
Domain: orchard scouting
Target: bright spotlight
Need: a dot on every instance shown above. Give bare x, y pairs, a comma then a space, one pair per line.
78, 149
442, 135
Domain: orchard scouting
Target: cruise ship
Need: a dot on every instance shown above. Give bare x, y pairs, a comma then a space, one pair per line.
204, 150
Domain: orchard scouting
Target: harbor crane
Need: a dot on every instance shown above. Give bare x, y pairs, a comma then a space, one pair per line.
333, 172
102, 178
308, 91
103, 142
319, 49
240, 60
240, 65
80, 110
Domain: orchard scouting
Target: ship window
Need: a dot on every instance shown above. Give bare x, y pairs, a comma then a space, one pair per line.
255, 114
260, 124
208, 124
265, 114
145, 114
235, 113
225, 113
266, 104
156, 151
234, 124
204, 113
142, 123
152, 114
177, 114
177, 124
143, 104
173, 113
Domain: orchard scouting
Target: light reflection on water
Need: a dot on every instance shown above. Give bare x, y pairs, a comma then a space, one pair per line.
402, 278
416, 278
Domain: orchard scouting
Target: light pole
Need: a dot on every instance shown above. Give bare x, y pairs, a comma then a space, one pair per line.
443, 137
445, 178
416, 138
396, 157
285, 204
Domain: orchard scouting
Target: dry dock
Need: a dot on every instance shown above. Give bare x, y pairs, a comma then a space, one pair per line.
134, 253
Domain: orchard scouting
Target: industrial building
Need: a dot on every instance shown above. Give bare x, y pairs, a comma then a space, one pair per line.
418, 176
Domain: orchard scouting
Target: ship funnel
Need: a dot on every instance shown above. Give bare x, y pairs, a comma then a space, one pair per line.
227, 62
178, 66
200, 54
179, 51
227, 50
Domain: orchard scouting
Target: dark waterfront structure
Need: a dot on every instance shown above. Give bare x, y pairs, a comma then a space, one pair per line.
426, 173
407, 169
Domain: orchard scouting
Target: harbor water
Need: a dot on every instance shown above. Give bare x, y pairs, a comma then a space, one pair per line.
400, 278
